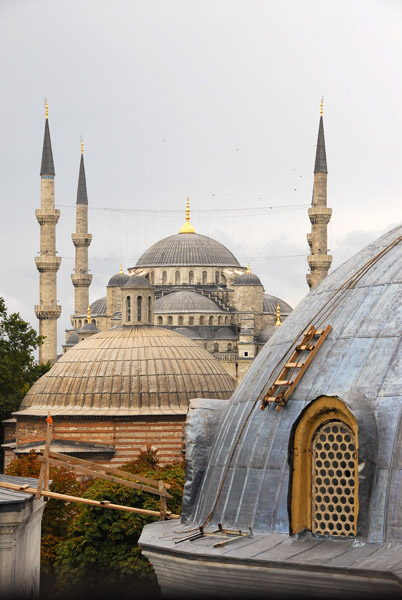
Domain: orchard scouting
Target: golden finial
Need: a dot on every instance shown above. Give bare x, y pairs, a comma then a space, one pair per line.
187, 227
82, 145
46, 109
89, 314
248, 268
121, 272
321, 106
278, 316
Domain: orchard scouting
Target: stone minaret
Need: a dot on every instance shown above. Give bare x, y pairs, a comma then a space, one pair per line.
319, 260
47, 311
81, 240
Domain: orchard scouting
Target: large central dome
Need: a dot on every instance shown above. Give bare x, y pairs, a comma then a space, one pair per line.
187, 249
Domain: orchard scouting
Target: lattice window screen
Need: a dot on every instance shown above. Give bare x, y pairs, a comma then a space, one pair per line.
334, 480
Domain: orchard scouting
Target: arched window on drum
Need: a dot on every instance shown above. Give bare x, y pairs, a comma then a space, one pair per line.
324, 480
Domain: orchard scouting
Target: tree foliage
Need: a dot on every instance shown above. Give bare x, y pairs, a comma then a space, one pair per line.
18, 369
101, 552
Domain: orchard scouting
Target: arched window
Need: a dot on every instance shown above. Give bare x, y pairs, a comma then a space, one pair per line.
204, 278
152, 277
201, 320
219, 320
86, 322
211, 320
93, 321
79, 323
170, 320
229, 347
191, 277
149, 309
216, 347
226, 320
139, 308
217, 278
160, 320
223, 280
191, 321
128, 308
164, 278
324, 492
180, 320
177, 278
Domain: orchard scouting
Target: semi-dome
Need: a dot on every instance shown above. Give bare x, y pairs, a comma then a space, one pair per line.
187, 249
270, 303
247, 279
128, 371
357, 370
186, 302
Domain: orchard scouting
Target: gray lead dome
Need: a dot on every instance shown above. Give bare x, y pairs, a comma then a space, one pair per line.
187, 249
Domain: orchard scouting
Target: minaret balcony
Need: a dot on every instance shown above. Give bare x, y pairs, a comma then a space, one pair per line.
81, 279
320, 215
319, 262
81, 240
47, 311
47, 263
47, 215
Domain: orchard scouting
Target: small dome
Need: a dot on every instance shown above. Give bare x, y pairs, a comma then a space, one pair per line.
89, 327
135, 281
247, 279
98, 307
72, 339
269, 304
187, 249
185, 302
129, 370
118, 280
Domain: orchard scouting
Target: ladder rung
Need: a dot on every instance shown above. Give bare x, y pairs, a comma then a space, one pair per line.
270, 399
293, 365
304, 347
319, 332
283, 382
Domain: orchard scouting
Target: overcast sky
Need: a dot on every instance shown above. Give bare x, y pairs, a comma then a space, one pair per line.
217, 100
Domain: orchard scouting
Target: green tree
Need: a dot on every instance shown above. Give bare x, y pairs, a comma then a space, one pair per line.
18, 369
100, 555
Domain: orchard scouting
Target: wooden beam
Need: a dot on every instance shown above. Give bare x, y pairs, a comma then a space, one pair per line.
98, 467
93, 473
103, 503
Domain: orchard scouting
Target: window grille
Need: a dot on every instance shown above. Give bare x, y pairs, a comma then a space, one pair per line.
334, 476
139, 308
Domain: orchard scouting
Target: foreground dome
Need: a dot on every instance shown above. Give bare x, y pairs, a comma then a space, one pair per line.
187, 249
128, 371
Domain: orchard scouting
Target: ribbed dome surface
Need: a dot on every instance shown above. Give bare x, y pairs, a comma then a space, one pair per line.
136, 281
118, 280
185, 302
269, 304
247, 279
187, 249
98, 307
360, 363
128, 371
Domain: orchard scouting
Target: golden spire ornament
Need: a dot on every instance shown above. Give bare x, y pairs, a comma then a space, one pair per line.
89, 314
187, 227
278, 316
46, 109
322, 106
82, 145
121, 272
248, 268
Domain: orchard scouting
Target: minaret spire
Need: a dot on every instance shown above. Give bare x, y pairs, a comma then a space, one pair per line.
47, 263
81, 239
319, 260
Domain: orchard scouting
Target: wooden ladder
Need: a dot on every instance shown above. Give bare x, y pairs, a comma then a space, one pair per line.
284, 385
